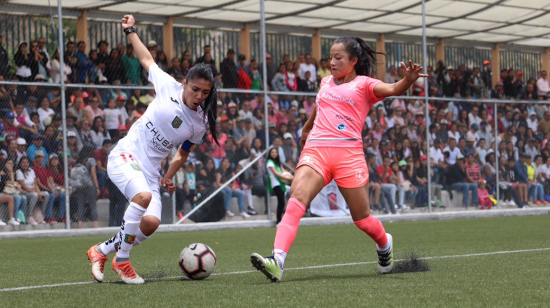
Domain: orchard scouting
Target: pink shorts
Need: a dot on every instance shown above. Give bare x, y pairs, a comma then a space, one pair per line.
347, 166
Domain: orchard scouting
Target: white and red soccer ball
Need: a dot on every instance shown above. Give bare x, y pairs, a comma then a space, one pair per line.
197, 261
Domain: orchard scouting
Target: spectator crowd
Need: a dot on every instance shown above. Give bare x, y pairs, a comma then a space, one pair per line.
460, 137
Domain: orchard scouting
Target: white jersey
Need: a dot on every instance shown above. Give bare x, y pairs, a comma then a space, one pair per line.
166, 124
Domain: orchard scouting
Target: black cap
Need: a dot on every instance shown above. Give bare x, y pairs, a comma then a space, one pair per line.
37, 137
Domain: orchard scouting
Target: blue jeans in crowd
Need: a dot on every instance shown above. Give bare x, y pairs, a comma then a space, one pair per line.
228, 194
49, 207
20, 204
536, 192
465, 188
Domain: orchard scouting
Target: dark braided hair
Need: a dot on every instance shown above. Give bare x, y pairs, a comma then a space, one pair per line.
356, 47
210, 104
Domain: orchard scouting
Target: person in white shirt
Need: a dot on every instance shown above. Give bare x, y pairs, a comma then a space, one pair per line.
473, 116
177, 119
542, 85
453, 151
532, 122
44, 111
308, 66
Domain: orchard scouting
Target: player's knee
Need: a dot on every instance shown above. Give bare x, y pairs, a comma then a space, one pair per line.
149, 224
143, 199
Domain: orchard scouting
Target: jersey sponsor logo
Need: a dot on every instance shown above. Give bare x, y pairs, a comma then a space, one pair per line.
341, 127
175, 101
176, 122
354, 85
344, 117
338, 98
359, 173
159, 142
136, 167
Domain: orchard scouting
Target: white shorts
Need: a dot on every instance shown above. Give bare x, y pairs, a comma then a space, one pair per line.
126, 174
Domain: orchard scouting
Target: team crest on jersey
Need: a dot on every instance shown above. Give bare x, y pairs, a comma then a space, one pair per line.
176, 123
341, 127
136, 167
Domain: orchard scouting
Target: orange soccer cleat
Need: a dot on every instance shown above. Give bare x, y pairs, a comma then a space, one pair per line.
97, 260
126, 272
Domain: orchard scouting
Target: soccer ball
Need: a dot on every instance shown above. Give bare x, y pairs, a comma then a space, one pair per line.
285, 181
197, 261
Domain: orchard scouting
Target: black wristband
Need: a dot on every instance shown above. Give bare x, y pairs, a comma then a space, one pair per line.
130, 30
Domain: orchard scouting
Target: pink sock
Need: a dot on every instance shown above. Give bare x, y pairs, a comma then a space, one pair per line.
288, 227
373, 228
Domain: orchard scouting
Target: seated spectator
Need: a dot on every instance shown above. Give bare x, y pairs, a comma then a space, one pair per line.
211, 211
45, 111
37, 145
223, 175
517, 177
93, 110
45, 181
289, 146
207, 174
86, 188
28, 181
459, 180
536, 189
405, 190
10, 187
484, 196
51, 142
99, 133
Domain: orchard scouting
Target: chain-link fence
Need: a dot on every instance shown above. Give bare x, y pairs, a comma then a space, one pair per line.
413, 145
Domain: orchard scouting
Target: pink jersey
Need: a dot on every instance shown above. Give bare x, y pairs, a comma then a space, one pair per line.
341, 112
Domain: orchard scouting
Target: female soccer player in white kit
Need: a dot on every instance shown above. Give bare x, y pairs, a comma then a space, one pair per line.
178, 117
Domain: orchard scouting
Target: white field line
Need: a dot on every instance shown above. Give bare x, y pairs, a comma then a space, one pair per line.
288, 269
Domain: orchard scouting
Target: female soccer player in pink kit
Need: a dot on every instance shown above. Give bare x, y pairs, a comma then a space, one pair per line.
333, 149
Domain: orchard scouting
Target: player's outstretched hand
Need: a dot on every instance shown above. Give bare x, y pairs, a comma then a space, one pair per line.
128, 21
412, 72
168, 185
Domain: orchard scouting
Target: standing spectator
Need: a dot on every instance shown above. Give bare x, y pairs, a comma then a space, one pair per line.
484, 196
9, 186
84, 63
175, 69
508, 83
72, 60
308, 66
4, 60
101, 157
542, 85
162, 61
205, 50
58, 184
102, 54
276, 180
132, 65
271, 69
84, 180
391, 75
290, 78
228, 69
535, 175
223, 175
27, 179
113, 118
278, 83
114, 67
217, 151
25, 62
459, 180
255, 76
243, 70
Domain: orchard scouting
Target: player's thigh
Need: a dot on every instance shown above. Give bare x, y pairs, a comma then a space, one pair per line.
128, 178
358, 201
306, 185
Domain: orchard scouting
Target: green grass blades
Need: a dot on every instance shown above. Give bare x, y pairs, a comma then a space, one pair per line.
321, 270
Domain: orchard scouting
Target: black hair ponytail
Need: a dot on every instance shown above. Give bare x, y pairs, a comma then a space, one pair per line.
210, 104
356, 47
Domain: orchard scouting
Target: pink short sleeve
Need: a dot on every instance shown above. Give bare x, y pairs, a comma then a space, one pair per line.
369, 84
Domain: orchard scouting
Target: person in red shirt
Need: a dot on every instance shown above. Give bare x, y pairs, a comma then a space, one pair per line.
43, 176
10, 129
101, 156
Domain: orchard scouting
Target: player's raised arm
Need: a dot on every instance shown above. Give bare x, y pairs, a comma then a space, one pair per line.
141, 51
412, 73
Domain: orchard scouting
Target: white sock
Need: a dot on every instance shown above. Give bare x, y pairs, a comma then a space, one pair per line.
385, 247
280, 256
110, 245
140, 237
129, 229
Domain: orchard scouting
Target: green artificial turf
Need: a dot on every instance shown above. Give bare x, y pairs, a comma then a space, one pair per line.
492, 280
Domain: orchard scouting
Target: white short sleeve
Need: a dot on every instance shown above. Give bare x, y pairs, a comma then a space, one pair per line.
158, 77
